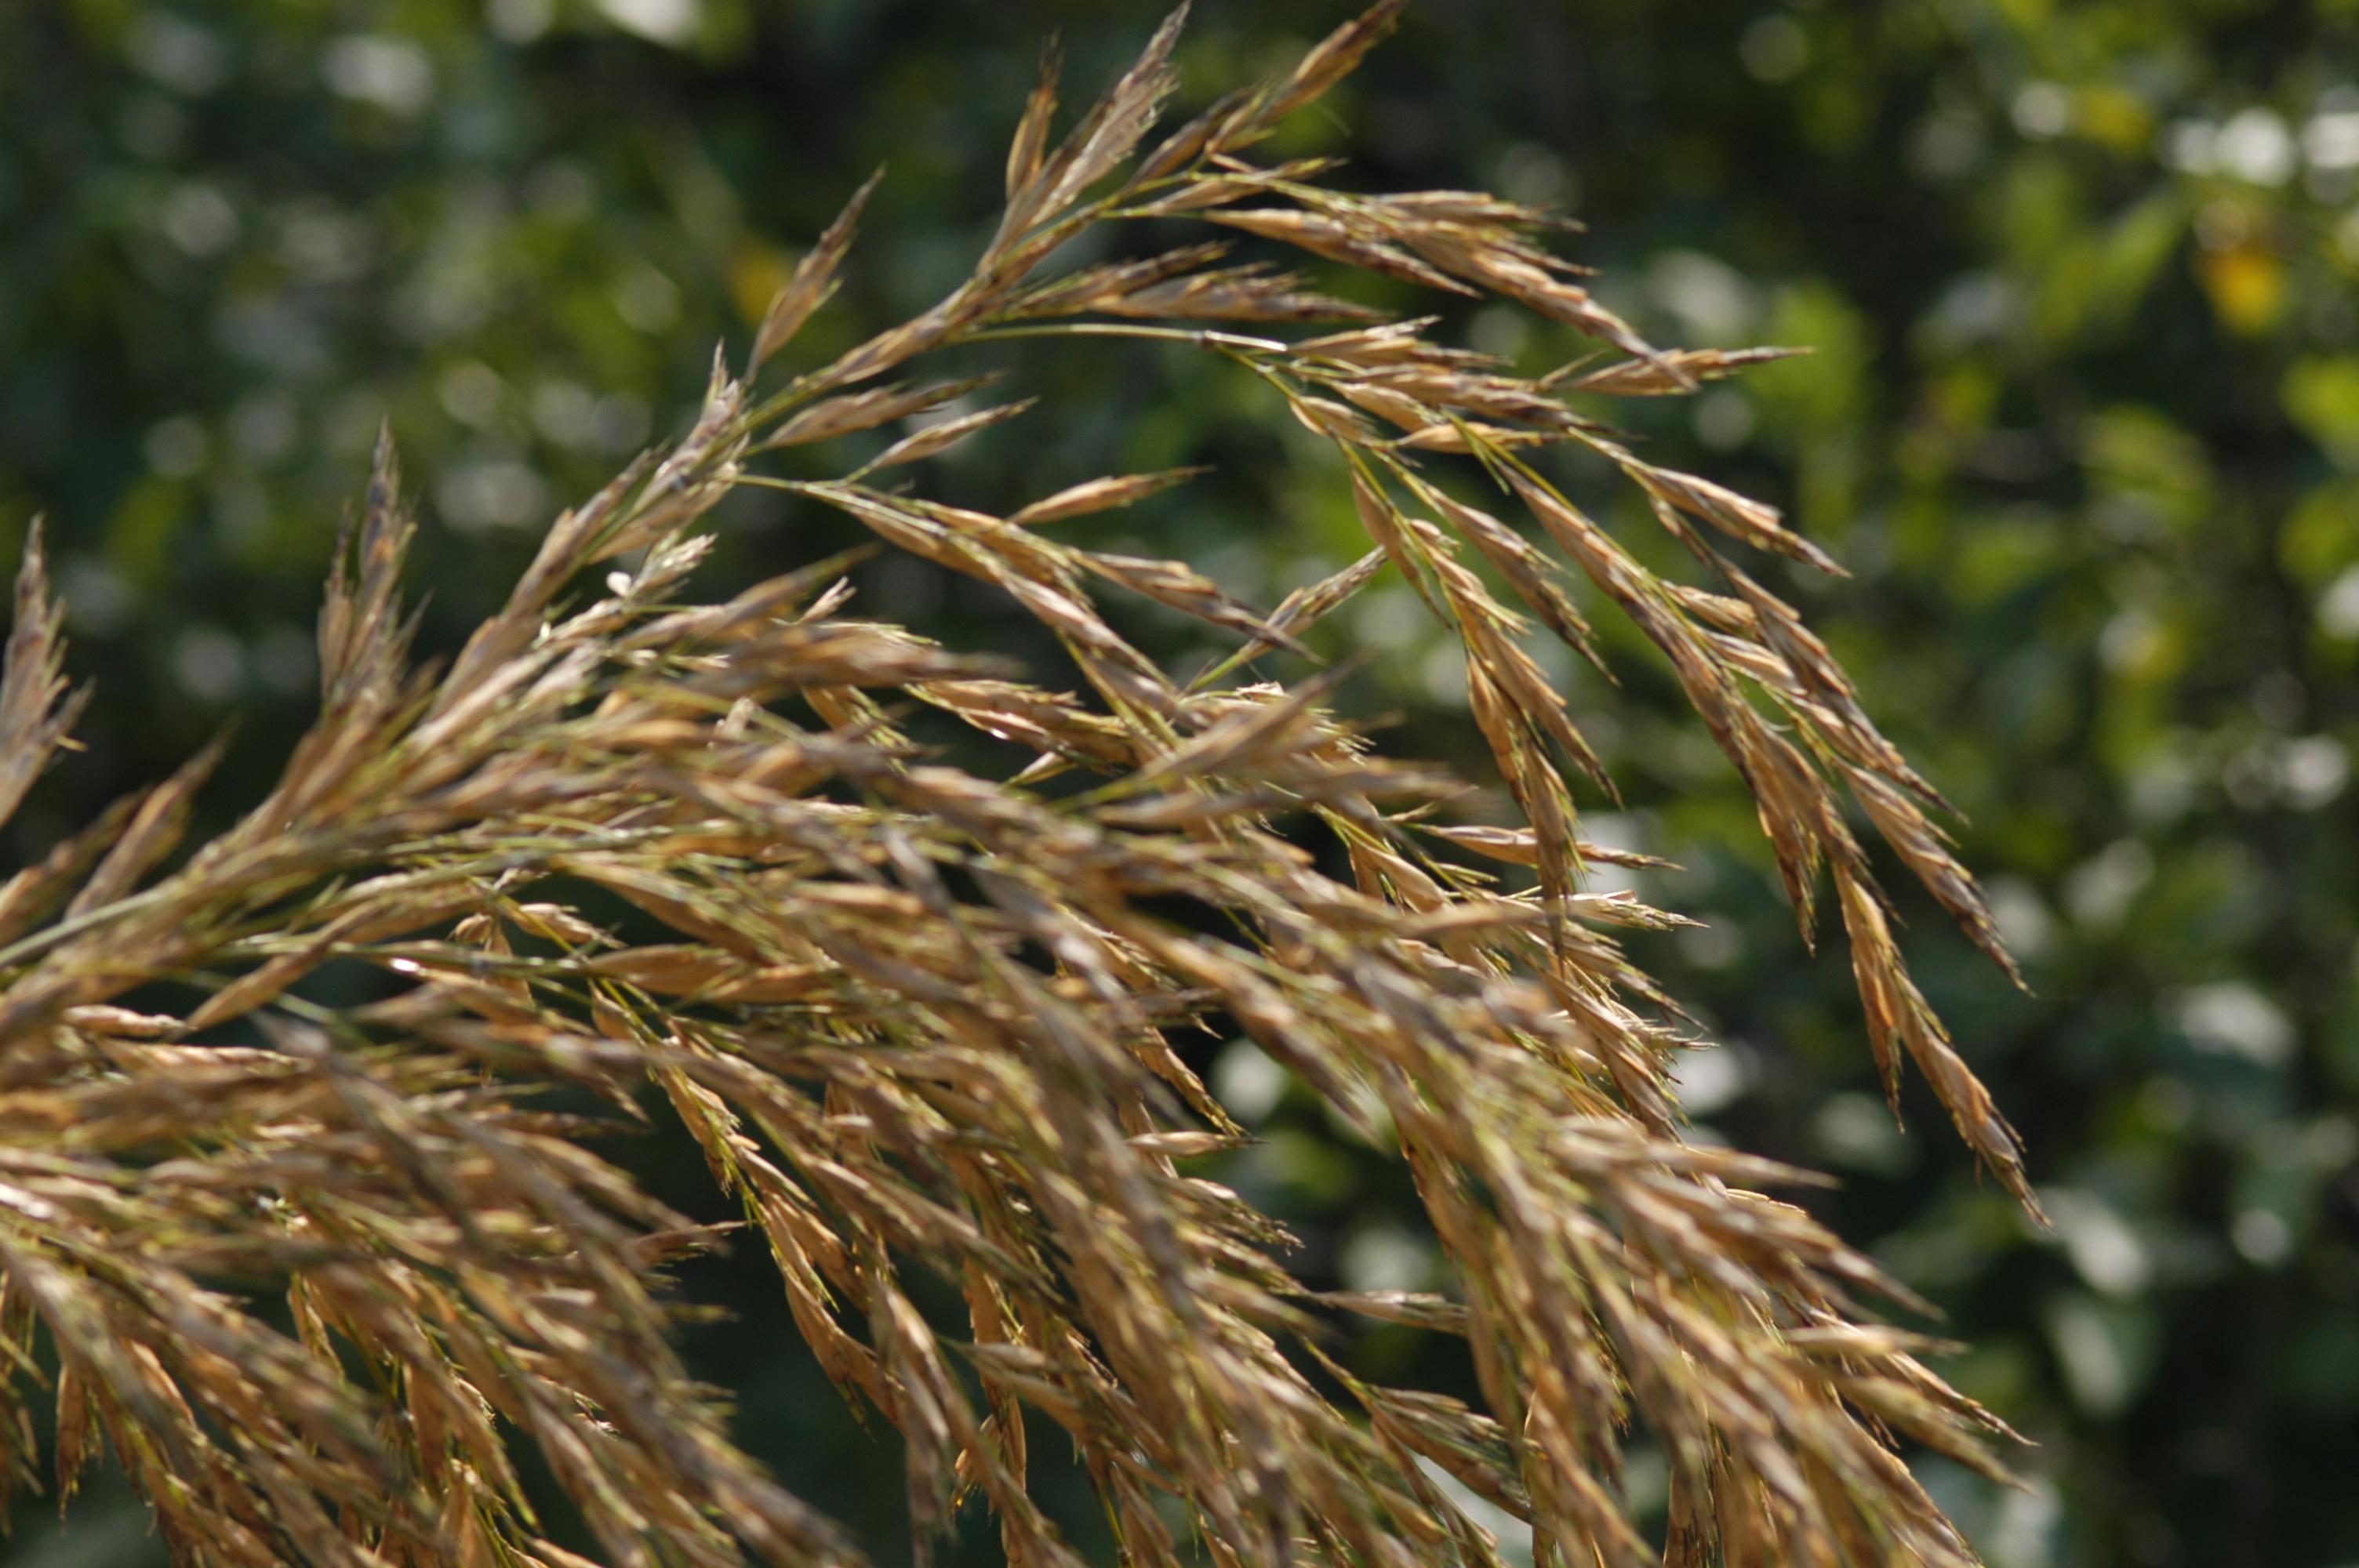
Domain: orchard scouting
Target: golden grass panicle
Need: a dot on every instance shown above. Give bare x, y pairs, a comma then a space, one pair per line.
317, 1277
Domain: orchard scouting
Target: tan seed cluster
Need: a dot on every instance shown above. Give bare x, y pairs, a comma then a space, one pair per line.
920, 1021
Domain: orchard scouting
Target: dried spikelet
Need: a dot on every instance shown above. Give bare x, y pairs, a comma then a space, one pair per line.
940, 437
1114, 126
1733, 514
1302, 609
1030, 144
1248, 293
813, 278
856, 411
319, 1288
1184, 588
1106, 285
1927, 850
1326, 237
1331, 59
1100, 495
33, 722
153, 832
1672, 372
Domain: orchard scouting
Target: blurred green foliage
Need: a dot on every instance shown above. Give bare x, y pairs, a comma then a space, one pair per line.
2082, 418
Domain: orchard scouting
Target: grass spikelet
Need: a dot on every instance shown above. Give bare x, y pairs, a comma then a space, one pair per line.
35, 715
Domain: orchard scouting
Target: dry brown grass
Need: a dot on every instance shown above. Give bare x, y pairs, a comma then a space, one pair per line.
919, 1019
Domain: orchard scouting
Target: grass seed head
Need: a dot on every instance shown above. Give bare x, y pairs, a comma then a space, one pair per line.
317, 1280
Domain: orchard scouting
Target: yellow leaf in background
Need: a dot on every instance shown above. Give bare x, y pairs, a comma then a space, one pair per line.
2115, 117
2322, 396
756, 273
2245, 283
